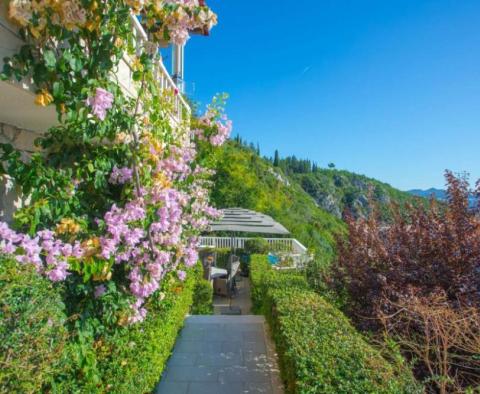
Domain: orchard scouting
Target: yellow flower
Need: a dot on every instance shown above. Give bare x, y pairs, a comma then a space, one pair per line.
91, 247
92, 25
68, 226
105, 275
122, 138
137, 5
123, 320
43, 98
20, 12
162, 181
119, 42
137, 65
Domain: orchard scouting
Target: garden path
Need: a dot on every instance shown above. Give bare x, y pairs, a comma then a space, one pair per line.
222, 355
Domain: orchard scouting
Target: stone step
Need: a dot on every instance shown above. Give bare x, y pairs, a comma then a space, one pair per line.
224, 319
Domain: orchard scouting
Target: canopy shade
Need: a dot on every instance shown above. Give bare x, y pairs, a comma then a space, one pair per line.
241, 220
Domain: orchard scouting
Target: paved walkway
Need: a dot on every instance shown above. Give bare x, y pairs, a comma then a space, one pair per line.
222, 355
241, 300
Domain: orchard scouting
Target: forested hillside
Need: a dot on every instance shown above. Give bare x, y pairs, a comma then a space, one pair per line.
338, 191
244, 179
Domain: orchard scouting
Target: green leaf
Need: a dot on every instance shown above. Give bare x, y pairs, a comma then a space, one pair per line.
58, 89
50, 59
76, 64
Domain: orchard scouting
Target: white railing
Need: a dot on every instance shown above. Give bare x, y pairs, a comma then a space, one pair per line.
32, 117
277, 244
166, 83
284, 247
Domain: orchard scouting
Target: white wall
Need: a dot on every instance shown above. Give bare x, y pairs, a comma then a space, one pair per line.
10, 195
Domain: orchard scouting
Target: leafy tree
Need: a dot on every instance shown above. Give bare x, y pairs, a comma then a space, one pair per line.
417, 279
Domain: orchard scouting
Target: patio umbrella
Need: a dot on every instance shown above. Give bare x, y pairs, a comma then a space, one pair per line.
239, 220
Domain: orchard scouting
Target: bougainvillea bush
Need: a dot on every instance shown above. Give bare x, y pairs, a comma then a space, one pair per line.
417, 280
117, 193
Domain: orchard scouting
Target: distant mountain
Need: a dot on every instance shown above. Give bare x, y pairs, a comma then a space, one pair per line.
439, 194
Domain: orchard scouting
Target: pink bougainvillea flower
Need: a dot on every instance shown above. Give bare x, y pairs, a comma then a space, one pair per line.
182, 275
120, 176
100, 290
100, 103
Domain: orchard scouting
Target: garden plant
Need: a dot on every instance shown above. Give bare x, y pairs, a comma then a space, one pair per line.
117, 193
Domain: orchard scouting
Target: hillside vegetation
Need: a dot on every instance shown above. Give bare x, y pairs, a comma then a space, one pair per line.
338, 191
244, 179
306, 199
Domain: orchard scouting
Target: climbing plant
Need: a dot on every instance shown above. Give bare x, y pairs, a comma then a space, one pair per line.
117, 194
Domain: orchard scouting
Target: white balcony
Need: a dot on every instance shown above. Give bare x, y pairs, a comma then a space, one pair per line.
17, 105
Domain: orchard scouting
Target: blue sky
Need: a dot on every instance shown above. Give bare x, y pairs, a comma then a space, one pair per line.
389, 89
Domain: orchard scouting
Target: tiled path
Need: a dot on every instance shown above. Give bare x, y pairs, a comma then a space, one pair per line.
241, 300
222, 355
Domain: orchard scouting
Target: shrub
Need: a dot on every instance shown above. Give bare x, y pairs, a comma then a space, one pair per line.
32, 333
402, 277
257, 246
203, 296
128, 359
320, 351
41, 352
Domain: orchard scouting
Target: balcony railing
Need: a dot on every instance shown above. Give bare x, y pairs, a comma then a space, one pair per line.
286, 247
17, 99
166, 83
277, 244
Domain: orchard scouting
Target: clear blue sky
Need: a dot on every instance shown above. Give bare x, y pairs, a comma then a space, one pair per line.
389, 89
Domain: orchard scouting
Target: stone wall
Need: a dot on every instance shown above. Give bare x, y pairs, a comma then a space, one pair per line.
10, 195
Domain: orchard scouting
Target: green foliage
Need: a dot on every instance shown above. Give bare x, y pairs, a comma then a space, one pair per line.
257, 246
41, 352
128, 359
32, 332
203, 298
339, 191
320, 351
243, 179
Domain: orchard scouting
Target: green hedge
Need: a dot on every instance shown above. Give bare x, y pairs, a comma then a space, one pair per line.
32, 332
131, 359
138, 355
203, 298
320, 351
41, 352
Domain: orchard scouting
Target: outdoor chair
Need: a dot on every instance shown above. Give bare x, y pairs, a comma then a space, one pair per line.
234, 267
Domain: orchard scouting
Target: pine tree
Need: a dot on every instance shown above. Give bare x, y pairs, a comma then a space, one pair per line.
276, 160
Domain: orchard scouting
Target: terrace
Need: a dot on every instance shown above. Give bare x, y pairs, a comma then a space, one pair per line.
236, 222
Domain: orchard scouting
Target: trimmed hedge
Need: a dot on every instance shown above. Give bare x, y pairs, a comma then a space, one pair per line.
32, 332
41, 352
320, 351
138, 355
203, 298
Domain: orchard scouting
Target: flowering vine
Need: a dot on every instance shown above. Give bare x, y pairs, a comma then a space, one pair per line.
119, 193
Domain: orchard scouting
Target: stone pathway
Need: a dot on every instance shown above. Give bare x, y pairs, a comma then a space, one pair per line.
222, 354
